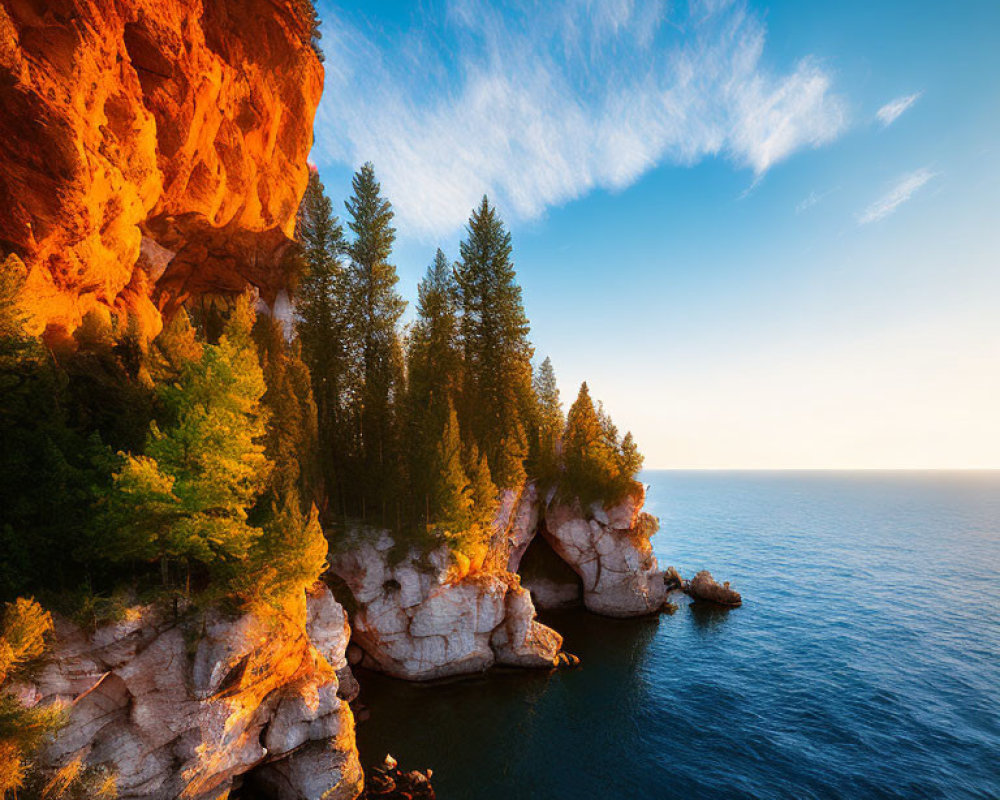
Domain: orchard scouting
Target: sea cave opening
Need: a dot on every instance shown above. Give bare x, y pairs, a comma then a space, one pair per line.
552, 582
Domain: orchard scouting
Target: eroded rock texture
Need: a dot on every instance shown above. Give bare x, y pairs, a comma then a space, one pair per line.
151, 150
181, 710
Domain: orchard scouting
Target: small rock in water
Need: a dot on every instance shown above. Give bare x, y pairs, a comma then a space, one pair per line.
388, 781
704, 587
672, 579
567, 660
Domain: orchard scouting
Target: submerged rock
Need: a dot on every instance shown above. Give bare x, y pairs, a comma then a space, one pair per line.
704, 587
182, 710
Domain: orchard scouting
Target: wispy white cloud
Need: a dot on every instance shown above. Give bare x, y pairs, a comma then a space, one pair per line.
892, 110
542, 104
903, 190
813, 199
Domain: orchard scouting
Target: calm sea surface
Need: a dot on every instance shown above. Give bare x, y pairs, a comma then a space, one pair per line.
865, 661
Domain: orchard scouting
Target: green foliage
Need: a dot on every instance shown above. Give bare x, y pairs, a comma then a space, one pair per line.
451, 495
53, 462
434, 365
548, 426
187, 497
291, 433
497, 390
323, 327
287, 558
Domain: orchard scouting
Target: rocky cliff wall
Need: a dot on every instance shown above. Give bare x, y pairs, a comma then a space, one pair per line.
151, 150
187, 710
419, 617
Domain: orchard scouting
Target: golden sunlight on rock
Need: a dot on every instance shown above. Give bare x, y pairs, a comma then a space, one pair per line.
148, 155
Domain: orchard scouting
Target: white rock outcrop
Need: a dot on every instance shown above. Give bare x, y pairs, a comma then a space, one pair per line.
609, 549
182, 709
418, 619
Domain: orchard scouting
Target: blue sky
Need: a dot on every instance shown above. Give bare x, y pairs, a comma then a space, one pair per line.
766, 234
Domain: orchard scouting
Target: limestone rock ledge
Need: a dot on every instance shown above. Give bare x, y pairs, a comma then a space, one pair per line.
419, 619
185, 710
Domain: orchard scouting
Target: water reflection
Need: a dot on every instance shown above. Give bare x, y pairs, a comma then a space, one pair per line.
504, 723
708, 617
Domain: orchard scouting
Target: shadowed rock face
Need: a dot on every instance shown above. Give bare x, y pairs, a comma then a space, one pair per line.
151, 150
180, 711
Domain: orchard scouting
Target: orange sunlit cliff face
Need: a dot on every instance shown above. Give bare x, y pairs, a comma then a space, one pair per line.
149, 154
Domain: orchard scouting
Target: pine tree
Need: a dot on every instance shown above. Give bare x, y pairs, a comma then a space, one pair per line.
497, 390
290, 441
452, 502
376, 308
323, 326
630, 459
50, 472
590, 462
433, 372
481, 487
187, 498
548, 425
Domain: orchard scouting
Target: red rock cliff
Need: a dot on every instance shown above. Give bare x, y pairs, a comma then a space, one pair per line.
151, 150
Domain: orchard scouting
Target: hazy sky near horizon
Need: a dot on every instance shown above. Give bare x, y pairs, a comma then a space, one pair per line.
766, 234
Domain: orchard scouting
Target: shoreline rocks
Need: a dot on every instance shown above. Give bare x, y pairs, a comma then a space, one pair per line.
421, 617
388, 781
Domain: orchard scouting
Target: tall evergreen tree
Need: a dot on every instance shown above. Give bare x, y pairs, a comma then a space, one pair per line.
324, 329
376, 308
590, 463
291, 438
451, 495
497, 390
548, 424
433, 374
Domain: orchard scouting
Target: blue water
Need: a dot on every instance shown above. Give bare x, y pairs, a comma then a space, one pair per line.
864, 663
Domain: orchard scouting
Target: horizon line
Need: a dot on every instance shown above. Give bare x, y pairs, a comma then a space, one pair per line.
820, 469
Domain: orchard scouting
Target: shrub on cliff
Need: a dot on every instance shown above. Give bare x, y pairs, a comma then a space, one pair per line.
22, 730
